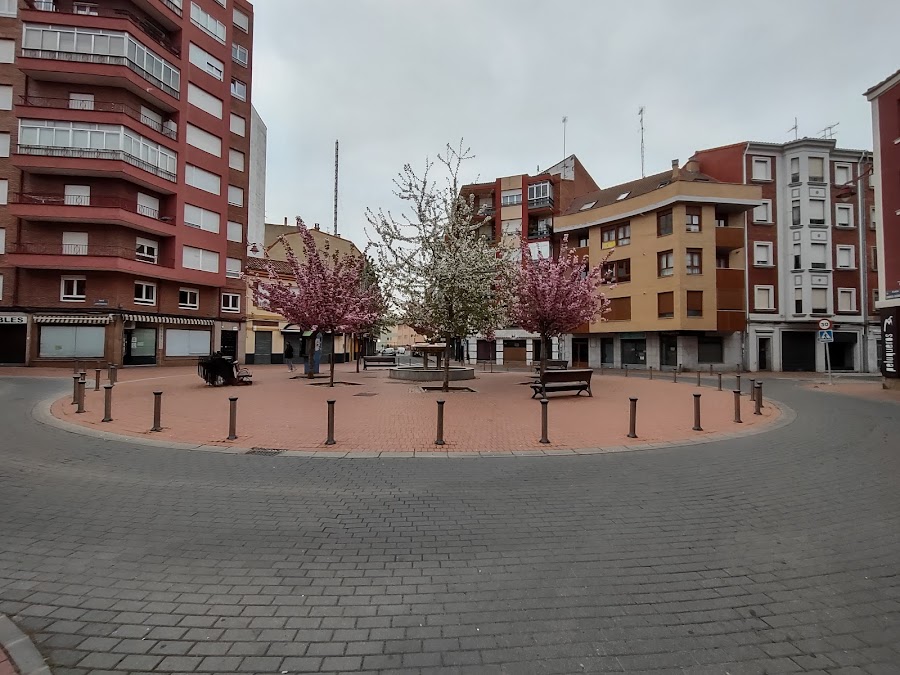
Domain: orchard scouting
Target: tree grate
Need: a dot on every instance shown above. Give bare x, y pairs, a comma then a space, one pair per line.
366, 393
268, 452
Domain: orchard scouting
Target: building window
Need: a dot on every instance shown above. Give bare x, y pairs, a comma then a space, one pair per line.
4, 144
206, 61
236, 159
144, 293
75, 243
665, 305
798, 301
710, 349
188, 298
81, 101
71, 289
873, 259
695, 303
8, 7
818, 257
843, 216
238, 89
762, 254
510, 197
241, 20
795, 169
623, 234
235, 231
202, 99
763, 212
181, 342
72, 341
795, 212
842, 174
764, 298
6, 97
663, 224
665, 263
693, 261
619, 309
845, 257
692, 222
199, 259
820, 301
722, 261
816, 167
235, 195
583, 240
817, 211
86, 8
202, 179
2, 243
146, 250
204, 21
634, 351
798, 258
846, 299
617, 271
608, 237
203, 140
539, 193
202, 219
233, 268
238, 125
231, 302
762, 168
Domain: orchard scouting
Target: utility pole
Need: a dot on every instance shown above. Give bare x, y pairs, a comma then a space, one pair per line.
335, 187
565, 121
641, 116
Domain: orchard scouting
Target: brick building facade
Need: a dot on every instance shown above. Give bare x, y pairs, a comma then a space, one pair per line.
124, 163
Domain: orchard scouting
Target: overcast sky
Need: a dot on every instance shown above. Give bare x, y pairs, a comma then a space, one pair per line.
394, 80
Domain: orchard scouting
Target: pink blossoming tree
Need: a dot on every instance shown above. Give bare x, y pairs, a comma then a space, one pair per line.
556, 295
327, 292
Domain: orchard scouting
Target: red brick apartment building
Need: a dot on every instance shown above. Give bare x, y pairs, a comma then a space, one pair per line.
124, 166
885, 99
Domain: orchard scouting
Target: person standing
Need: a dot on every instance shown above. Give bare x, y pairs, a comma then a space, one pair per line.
289, 356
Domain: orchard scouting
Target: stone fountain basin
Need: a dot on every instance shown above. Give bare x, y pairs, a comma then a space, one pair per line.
420, 374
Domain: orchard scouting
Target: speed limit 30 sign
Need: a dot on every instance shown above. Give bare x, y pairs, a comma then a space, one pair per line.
825, 324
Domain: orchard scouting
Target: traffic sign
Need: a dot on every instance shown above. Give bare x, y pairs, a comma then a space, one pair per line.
825, 324
826, 335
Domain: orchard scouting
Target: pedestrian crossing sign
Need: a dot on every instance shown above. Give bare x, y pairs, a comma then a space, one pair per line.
826, 336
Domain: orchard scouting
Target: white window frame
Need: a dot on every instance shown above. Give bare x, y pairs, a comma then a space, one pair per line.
766, 164
511, 197
843, 208
236, 159
240, 20
850, 251
194, 176
771, 292
9, 7
7, 50
206, 62
815, 248
141, 294
2, 243
235, 195
146, 250
75, 243
189, 305
769, 249
847, 293
72, 297
202, 255
238, 89
809, 176
6, 97
231, 307
240, 54
767, 207
4, 143
813, 209
235, 231
233, 268
203, 140
843, 167
202, 219
203, 100
208, 23
825, 294
238, 125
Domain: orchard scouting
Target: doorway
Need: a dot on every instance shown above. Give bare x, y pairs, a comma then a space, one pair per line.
229, 343
579, 352
842, 351
262, 350
668, 351
140, 347
607, 351
798, 351
514, 351
764, 353
12, 343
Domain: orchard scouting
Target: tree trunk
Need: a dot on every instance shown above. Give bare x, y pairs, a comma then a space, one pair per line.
356, 342
544, 343
448, 351
310, 356
331, 367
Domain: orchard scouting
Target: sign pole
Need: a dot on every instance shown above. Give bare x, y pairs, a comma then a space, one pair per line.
828, 362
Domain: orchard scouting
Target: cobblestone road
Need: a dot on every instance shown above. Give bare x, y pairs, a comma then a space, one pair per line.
770, 554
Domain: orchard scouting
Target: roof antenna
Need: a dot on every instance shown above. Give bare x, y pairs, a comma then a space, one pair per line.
828, 131
335, 187
641, 116
565, 121
795, 129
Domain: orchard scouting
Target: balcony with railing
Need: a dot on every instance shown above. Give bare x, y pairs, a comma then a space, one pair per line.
93, 209
91, 257
729, 238
147, 26
94, 106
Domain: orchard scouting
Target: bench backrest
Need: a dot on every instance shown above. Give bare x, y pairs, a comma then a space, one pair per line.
380, 359
571, 375
555, 364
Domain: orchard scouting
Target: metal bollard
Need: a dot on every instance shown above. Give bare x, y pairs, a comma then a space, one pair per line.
114, 374
157, 411
440, 423
81, 384
757, 400
759, 395
651, 372
330, 439
626, 370
232, 418
75, 379
710, 369
107, 403
698, 378
97, 379
752, 389
720, 381
738, 385
632, 422
737, 406
697, 426
675, 374
544, 403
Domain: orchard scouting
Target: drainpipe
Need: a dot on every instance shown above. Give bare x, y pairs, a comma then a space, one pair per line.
864, 263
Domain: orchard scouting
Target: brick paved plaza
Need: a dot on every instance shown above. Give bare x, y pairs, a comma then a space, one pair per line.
381, 414
771, 553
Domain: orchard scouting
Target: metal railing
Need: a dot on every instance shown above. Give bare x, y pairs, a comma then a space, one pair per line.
171, 5
538, 232
147, 26
99, 106
87, 250
104, 59
540, 202
86, 153
97, 201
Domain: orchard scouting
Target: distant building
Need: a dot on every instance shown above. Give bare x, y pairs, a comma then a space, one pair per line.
267, 332
400, 335
256, 202
885, 99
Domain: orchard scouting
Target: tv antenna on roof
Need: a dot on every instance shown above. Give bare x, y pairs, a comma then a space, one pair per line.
565, 121
641, 116
828, 131
795, 129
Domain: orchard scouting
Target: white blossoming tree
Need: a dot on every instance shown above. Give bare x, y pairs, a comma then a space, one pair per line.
445, 279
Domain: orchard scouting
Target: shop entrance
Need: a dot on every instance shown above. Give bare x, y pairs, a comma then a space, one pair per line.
140, 347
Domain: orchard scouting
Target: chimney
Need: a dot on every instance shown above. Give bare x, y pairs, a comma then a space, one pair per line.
676, 172
316, 226
285, 220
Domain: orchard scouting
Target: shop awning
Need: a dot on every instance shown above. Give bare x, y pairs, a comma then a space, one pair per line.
81, 319
292, 328
159, 318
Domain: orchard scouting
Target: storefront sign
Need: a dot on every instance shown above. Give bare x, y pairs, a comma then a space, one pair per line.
13, 319
890, 333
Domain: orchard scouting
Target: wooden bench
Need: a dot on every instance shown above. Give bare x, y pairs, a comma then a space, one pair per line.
576, 379
379, 362
552, 364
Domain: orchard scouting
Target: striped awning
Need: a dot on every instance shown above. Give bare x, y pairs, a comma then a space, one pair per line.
159, 318
81, 319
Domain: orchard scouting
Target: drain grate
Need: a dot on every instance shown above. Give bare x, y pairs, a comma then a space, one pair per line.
268, 452
367, 393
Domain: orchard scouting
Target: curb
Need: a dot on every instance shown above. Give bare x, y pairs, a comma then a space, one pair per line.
41, 413
25, 657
